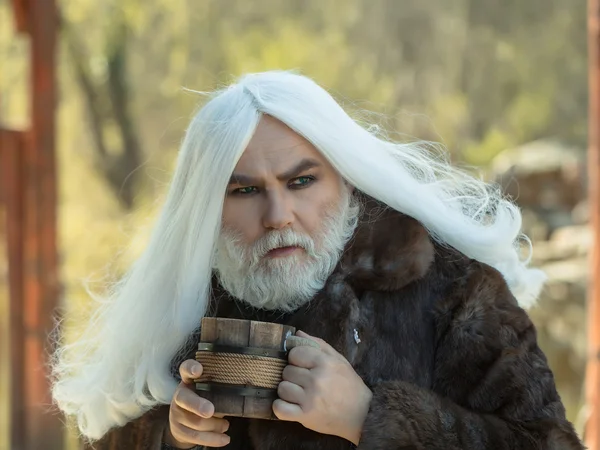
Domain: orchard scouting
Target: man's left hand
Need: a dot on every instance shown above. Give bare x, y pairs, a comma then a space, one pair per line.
321, 390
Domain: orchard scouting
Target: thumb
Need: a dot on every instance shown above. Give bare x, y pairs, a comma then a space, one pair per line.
190, 370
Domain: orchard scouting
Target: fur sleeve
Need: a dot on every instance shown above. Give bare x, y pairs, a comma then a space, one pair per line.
143, 433
492, 387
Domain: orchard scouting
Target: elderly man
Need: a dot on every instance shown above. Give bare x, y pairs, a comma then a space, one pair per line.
404, 270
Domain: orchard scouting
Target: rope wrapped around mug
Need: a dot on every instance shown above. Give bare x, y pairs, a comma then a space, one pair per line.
255, 367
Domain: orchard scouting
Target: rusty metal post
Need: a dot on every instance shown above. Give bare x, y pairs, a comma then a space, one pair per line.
592, 430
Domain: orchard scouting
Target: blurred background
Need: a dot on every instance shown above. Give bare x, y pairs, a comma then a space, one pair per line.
501, 83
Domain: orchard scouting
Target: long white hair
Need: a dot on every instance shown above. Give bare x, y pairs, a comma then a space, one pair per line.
120, 367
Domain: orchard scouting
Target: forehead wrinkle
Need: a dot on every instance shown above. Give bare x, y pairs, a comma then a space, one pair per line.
271, 146
284, 156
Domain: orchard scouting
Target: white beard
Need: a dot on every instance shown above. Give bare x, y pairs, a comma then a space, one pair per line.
289, 282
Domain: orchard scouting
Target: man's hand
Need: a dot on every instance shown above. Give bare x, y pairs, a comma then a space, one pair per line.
321, 390
191, 420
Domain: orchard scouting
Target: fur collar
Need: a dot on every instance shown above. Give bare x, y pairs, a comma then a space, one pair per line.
388, 251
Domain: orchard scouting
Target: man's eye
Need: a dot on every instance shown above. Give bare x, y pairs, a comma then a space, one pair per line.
302, 181
245, 190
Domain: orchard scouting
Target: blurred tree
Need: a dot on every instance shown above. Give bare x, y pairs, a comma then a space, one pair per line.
107, 99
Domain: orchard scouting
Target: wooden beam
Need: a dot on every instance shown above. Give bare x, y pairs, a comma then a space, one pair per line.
592, 430
21, 14
11, 174
40, 268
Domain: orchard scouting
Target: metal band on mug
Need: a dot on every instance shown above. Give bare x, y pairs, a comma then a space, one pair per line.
243, 391
218, 348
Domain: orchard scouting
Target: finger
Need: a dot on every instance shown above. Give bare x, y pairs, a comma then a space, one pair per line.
306, 357
297, 341
324, 346
287, 411
297, 375
190, 370
208, 438
290, 392
197, 423
192, 402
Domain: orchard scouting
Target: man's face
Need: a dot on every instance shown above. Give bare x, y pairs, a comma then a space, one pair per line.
286, 217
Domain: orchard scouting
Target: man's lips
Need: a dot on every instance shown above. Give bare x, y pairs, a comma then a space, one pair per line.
281, 251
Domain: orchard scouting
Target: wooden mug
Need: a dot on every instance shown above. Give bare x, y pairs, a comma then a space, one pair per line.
243, 361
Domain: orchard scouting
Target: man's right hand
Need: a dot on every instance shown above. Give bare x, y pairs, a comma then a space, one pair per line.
191, 420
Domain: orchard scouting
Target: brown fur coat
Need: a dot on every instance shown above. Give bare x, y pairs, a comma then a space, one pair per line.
451, 359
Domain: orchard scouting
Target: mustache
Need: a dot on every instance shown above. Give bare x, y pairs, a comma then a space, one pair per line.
255, 252
281, 238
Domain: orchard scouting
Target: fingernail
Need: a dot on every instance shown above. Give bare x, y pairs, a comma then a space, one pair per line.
196, 370
225, 439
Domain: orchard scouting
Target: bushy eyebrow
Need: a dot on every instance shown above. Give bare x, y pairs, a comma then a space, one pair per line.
248, 180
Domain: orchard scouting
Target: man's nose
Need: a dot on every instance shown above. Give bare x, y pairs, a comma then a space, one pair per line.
279, 213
